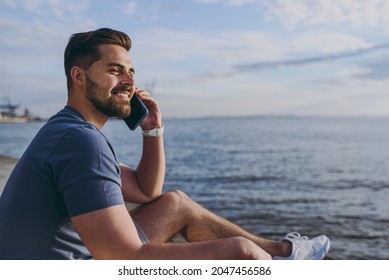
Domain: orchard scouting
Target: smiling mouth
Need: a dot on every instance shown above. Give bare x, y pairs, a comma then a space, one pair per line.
122, 94
123, 91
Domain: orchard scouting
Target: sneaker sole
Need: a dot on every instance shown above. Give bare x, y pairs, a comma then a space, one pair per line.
322, 252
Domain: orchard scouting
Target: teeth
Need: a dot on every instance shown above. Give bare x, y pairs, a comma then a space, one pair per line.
122, 94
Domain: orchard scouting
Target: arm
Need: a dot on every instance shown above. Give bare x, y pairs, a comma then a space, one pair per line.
146, 182
118, 239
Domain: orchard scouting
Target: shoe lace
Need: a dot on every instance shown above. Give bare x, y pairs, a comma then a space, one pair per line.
293, 235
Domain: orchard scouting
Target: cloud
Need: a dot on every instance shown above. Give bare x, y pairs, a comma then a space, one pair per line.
293, 14
200, 56
236, 3
8, 3
129, 8
230, 53
328, 12
34, 34
324, 42
376, 70
215, 48
307, 60
40, 25
233, 3
206, 1
52, 8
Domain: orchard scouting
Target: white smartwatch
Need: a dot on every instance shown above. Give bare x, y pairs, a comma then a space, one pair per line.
156, 132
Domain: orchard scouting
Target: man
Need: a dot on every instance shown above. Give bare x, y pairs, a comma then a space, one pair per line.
65, 197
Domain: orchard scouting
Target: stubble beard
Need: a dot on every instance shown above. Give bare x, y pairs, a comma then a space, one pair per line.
105, 102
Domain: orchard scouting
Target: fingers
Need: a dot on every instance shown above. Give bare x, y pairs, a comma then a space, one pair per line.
154, 118
141, 93
145, 96
148, 100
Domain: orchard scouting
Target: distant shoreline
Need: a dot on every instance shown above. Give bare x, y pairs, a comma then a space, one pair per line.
7, 164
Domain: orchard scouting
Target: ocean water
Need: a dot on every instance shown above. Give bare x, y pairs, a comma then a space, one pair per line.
273, 175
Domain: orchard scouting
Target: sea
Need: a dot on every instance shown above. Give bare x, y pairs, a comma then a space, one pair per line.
272, 174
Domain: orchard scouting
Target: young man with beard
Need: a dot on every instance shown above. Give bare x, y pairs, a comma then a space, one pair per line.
65, 197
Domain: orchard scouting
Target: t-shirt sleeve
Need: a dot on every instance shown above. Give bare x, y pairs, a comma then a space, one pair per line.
86, 172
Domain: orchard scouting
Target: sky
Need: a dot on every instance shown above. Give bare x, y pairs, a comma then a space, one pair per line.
203, 58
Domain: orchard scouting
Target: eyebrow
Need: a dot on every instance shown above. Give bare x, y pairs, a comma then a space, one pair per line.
121, 66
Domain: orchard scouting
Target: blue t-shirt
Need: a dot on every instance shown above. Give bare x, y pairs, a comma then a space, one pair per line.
69, 168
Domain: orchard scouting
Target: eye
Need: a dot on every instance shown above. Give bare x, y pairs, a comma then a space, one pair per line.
115, 71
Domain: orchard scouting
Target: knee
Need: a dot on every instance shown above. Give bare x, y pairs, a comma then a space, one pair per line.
175, 197
246, 249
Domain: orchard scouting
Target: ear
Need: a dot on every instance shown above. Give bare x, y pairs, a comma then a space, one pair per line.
78, 76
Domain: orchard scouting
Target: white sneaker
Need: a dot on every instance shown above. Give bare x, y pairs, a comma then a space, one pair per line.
305, 249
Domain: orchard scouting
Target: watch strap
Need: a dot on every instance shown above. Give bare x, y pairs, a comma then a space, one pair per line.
156, 132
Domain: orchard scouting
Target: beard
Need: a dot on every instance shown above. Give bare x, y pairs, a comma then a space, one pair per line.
105, 102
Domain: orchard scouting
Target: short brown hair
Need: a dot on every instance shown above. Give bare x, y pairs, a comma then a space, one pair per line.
82, 48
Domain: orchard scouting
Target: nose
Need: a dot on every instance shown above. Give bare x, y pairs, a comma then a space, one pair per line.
128, 83
128, 79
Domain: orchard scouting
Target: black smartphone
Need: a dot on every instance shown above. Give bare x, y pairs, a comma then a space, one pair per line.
138, 112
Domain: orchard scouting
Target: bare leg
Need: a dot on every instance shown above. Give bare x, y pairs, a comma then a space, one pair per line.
174, 212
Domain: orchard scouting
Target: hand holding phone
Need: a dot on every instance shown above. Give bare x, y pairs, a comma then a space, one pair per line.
138, 112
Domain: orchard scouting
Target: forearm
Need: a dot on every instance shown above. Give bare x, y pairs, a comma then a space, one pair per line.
150, 172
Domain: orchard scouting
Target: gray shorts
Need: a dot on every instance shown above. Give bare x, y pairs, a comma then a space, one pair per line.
141, 233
